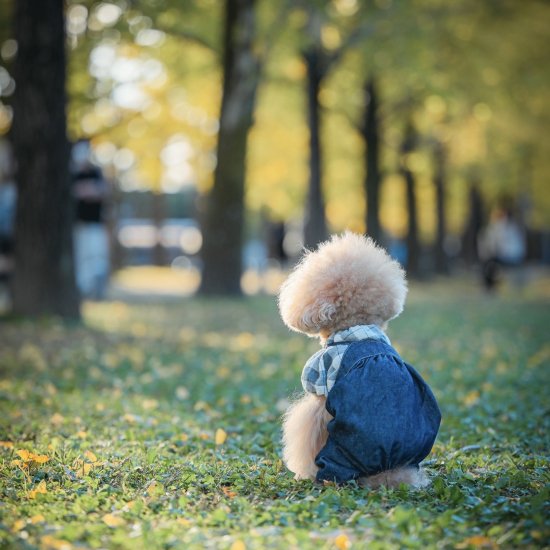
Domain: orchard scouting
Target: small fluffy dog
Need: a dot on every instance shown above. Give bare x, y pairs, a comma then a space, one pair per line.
366, 415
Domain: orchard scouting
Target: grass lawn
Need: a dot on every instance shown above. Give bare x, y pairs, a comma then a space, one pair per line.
157, 425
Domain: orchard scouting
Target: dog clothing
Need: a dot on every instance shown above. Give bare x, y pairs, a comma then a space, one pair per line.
385, 415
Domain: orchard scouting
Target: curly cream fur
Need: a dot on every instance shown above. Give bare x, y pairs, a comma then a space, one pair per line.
347, 281
407, 475
305, 433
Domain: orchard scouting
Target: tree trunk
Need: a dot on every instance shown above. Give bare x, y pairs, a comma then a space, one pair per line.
413, 247
441, 264
371, 136
224, 221
159, 217
44, 274
315, 229
473, 226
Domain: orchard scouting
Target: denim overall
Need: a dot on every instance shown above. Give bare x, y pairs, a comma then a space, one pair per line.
385, 415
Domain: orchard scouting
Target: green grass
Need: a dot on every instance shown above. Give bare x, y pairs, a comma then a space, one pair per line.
126, 410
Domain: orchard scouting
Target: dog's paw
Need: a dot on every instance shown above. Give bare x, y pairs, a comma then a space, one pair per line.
301, 476
412, 476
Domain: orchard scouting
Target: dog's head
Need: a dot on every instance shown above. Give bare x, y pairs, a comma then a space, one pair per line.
347, 281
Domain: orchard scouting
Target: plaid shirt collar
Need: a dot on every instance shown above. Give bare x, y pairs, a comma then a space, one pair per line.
356, 333
319, 374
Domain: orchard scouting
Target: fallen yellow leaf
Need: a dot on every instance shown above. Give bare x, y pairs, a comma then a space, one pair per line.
6, 444
18, 525
228, 492
471, 398
220, 436
82, 468
155, 488
51, 543
23, 454
29, 457
90, 456
40, 489
112, 520
238, 545
37, 518
342, 542
478, 541
57, 419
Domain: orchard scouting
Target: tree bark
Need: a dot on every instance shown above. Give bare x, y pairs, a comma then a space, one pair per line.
224, 220
44, 280
441, 264
315, 229
413, 247
371, 136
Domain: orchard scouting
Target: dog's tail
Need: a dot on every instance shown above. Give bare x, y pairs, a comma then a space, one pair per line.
304, 434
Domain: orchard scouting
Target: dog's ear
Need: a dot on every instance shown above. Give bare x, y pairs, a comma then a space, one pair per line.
316, 316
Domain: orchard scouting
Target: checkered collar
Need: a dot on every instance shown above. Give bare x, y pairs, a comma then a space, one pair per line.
320, 371
356, 333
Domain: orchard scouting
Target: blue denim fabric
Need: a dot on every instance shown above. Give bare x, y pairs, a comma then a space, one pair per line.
385, 415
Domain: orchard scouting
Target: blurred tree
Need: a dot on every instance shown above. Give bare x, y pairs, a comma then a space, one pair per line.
321, 55
371, 134
408, 145
441, 263
421, 49
315, 229
224, 221
44, 276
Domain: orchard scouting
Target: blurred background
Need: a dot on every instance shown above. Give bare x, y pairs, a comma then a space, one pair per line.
182, 146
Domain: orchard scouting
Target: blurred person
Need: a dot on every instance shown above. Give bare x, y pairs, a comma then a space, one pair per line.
502, 244
275, 241
8, 200
91, 241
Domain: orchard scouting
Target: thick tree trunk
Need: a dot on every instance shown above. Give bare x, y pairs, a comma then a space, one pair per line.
224, 221
441, 264
371, 136
44, 274
315, 229
413, 246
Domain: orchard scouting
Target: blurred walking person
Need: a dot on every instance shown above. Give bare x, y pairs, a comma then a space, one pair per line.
501, 245
91, 239
8, 199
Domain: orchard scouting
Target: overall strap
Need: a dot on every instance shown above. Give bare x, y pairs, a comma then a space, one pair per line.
364, 349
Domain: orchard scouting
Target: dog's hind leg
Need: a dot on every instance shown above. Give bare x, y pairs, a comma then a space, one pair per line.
304, 434
408, 475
